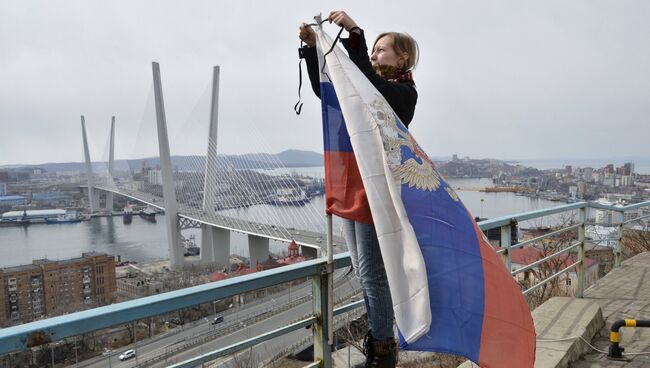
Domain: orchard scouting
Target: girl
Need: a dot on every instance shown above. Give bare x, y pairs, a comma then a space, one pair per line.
388, 68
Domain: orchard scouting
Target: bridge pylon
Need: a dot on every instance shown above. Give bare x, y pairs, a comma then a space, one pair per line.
176, 259
111, 166
92, 200
215, 242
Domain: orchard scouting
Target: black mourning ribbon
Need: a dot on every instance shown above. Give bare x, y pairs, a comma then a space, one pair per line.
298, 106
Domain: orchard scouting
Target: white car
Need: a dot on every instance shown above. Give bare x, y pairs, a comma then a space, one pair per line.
127, 354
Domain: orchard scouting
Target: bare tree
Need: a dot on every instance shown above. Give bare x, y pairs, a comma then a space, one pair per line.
542, 249
636, 240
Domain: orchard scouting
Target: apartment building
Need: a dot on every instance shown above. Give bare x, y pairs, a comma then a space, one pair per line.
48, 288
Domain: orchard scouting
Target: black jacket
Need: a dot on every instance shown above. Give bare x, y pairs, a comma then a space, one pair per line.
401, 96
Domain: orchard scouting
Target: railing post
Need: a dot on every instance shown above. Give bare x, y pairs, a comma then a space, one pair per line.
619, 243
506, 242
320, 286
582, 218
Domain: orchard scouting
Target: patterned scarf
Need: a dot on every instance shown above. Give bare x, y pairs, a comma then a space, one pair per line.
393, 74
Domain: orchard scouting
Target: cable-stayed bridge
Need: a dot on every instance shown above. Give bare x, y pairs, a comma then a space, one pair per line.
252, 194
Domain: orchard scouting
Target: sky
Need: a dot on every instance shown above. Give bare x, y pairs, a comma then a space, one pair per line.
499, 79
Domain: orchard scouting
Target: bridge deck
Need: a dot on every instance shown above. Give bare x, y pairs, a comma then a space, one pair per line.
302, 237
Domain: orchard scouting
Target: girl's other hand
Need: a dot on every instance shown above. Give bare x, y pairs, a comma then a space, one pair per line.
342, 19
307, 35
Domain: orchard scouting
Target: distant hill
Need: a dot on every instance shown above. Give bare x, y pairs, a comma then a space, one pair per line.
296, 158
288, 158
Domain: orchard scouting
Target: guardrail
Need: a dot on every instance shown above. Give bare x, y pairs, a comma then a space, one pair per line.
57, 328
506, 223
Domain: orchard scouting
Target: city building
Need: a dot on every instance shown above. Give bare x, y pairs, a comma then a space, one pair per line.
33, 215
3, 189
627, 181
50, 198
48, 288
137, 286
602, 254
582, 189
11, 200
629, 168
22, 295
607, 217
588, 174
568, 282
609, 180
155, 177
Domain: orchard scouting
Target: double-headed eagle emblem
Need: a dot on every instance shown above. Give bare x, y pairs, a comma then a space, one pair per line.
410, 165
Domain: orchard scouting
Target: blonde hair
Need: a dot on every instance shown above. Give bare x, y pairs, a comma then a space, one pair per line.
403, 43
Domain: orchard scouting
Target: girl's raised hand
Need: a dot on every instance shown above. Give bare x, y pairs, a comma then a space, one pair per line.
307, 35
342, 19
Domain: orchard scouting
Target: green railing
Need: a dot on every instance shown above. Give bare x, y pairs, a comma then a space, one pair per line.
320, 272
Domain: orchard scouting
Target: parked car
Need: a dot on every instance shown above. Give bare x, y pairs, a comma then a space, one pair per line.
127, 354
217, 320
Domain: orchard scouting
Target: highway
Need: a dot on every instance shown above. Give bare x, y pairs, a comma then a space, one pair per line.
239, 324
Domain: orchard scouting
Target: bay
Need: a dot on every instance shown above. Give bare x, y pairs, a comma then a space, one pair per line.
143, 241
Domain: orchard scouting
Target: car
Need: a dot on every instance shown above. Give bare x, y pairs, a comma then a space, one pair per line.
127, 354
107, 352
217, 320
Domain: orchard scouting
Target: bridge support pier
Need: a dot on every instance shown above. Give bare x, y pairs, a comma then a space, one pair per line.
258, 248
309, 252
109, 202
215, 245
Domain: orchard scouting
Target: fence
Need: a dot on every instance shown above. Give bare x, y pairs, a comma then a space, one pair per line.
57, 328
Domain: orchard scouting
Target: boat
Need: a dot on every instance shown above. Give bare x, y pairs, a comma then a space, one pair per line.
190, 246
13, 223
68, 218
127, 214
148, 214
290, 197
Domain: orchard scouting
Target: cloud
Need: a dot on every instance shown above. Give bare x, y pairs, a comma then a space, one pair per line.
501, 79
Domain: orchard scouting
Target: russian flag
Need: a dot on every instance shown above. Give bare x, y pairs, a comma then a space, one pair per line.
345, 196
451, 292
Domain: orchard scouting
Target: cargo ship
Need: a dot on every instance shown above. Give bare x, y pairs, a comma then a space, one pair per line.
67, 218
12, 223
290, 197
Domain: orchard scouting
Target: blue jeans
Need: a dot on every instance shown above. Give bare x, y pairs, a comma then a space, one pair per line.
369, 267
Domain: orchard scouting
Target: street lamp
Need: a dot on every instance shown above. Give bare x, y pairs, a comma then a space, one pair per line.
482, 207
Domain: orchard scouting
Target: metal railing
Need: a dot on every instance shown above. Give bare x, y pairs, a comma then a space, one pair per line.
506, 223
57, 328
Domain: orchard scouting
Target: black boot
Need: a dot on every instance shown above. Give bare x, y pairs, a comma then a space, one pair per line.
379, 353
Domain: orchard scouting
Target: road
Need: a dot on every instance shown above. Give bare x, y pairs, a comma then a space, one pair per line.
238, 325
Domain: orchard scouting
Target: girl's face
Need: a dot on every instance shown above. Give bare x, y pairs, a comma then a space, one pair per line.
383, 53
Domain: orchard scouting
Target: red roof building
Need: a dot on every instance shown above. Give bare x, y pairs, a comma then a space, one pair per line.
293, 257
524, 256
